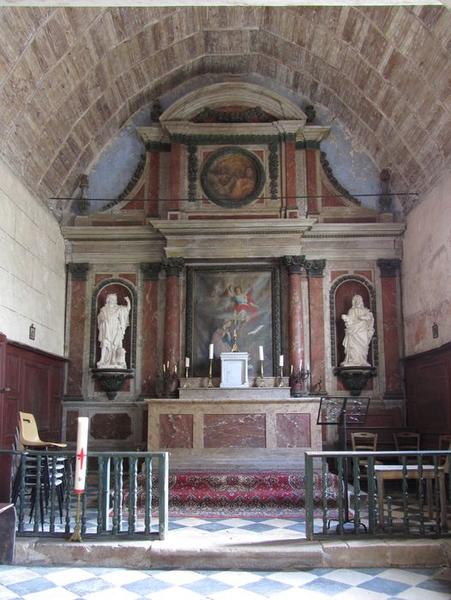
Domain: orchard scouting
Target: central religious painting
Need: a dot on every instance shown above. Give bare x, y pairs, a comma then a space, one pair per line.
232, 177
224, 303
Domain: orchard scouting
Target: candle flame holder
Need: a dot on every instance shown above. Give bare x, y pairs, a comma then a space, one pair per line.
210, 374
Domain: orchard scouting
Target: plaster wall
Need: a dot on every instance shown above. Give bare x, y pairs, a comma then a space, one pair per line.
32, 270
426, 271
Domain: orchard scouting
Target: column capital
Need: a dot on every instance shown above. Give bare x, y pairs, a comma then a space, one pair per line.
294, 264
174, 266
315, 268
150, 271
388, 266
78, 271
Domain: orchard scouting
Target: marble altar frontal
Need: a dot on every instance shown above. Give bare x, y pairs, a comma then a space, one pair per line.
234, 367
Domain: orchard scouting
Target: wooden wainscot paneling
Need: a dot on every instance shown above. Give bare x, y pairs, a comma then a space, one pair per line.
428, 377
31, 381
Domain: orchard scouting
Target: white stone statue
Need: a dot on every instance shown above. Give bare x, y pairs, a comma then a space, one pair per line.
359, 322
112, 321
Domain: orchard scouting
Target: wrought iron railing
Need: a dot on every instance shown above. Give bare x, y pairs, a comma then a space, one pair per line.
126, 494
377, 493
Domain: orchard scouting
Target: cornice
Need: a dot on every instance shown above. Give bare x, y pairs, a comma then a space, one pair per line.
312, 133
109, 233
355, 230
218, 130
216, 227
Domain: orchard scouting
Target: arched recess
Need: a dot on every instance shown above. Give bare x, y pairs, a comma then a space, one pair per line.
121, 288
340, 301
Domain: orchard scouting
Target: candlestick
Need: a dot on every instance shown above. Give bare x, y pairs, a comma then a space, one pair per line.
210, 374
80, 472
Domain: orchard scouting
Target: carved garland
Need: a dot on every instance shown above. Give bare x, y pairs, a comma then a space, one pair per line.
193, 164
372, 295
133, 320
333, 180
273, 160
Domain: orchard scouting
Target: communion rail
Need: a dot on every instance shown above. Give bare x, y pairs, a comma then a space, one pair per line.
112, 505
377, 493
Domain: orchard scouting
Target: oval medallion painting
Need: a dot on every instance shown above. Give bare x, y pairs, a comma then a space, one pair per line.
232, 177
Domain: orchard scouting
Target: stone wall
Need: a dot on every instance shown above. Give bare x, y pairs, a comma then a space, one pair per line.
426, 271
32, 270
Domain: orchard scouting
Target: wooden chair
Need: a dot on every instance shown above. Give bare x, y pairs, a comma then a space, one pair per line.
29, 434
363, 441
406, 441
52, 468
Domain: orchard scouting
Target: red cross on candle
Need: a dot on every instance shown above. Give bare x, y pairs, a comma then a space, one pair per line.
81, 455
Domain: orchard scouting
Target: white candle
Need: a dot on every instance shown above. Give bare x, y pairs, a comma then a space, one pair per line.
175, 368
186, 361
210, 351
281, 360
300, 365
260, 353
81, 455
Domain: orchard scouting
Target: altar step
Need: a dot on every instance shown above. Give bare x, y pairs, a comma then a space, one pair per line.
237, 460
239, 492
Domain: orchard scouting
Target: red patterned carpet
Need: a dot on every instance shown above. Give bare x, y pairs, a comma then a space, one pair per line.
256, 493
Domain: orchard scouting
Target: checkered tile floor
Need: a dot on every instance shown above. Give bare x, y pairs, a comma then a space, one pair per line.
41, 583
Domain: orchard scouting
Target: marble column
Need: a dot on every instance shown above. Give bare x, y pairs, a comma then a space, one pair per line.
315, 270
149, 369
79, 274
295, 265
174, 268
391, 324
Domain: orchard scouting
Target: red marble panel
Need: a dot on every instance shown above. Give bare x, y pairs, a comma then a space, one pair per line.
391, 339
176, 431
172, 321
137, 202
367, 274
102, 276
317, 346
295, 320
129, 276
290, 170
293, 430
76, 344
312, 180
149, 334
111, 426
235, 431
336, 274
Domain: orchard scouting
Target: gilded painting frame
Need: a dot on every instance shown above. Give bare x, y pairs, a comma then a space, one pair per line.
224, 299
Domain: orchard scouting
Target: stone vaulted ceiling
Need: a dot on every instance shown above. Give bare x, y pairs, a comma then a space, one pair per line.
71, 77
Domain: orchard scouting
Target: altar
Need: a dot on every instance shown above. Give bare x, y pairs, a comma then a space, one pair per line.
258, 421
